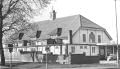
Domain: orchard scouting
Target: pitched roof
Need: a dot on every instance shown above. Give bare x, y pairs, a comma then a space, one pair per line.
86, 23
49, 27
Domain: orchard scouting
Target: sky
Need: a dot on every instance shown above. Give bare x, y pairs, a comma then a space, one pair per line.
101, 12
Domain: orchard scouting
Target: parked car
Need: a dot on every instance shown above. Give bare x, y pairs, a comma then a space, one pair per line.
112, 57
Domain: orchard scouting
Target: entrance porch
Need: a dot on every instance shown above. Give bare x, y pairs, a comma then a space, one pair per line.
108, 51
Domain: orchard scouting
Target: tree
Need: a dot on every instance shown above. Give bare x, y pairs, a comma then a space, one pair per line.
14, 15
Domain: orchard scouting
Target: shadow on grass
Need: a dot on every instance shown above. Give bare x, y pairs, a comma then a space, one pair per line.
15, 64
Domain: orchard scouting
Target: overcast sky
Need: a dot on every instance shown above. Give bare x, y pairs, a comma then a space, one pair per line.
102, 12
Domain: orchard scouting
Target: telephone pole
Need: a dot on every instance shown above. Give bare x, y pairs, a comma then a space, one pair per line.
116, 18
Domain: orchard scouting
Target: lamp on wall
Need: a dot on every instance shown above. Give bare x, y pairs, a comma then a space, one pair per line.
10, 47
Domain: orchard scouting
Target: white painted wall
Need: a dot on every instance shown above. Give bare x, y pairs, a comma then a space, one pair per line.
96, 50
105, 38
83, 31
78, 36
87, 51
78, 39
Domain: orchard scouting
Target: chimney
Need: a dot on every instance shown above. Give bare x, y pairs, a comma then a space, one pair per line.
53, 15
70, 36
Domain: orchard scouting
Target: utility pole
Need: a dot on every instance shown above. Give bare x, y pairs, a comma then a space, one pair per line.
10, 60
117, 33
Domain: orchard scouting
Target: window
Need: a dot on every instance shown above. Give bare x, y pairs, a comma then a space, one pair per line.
84, 38
85, 47
91, 37
93, 49
99, 39
81, 47
56, 47
73, 49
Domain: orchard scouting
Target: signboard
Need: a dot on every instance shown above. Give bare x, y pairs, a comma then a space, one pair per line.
54, 41
10, 47
50, 41
58, 41
47, 48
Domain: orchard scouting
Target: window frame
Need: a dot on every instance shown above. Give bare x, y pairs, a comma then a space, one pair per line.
99, 38
73, 49
93, 49
85, 47
81, 47
92, 37
84, 37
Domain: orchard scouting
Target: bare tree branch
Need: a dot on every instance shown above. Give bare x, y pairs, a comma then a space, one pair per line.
13, 16
11, 6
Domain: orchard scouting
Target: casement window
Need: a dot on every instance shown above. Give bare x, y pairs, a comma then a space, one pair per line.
84, 37
85, 47
99, 38
73, 49
81, 47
